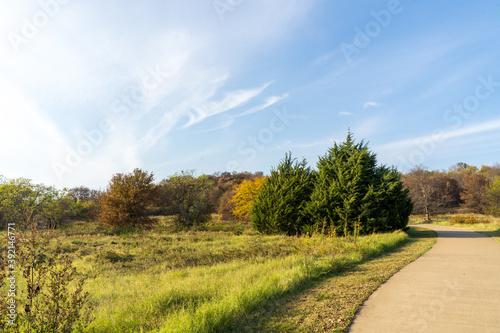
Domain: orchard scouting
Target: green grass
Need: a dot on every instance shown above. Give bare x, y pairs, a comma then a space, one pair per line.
330, 304
207, 279
226, 278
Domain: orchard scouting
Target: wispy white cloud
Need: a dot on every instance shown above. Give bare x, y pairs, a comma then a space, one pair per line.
225, 124
480, 128
446, 83
269, 102
345, 113
164, 126
444, 135
230, 101
370, 104
327, 56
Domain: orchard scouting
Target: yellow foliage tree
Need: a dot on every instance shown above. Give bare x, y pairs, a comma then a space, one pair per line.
244, 197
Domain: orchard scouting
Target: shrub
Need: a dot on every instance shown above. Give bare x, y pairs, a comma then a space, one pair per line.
468, 219
457, 219
226, 205
471, 219
50, 297
188, 198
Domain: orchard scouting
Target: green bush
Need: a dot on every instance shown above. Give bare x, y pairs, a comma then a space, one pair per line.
188, 198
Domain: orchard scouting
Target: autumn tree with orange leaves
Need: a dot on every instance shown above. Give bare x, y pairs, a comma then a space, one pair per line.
127, 198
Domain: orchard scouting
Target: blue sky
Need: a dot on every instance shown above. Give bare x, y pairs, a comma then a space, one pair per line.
92, 88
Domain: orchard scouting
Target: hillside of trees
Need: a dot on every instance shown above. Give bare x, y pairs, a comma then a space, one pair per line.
462, 188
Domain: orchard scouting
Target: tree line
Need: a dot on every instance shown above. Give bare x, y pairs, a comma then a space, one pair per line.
461, 188
347, 193
130, 199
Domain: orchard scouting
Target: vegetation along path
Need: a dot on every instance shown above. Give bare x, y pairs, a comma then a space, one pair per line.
454, 287
329, 305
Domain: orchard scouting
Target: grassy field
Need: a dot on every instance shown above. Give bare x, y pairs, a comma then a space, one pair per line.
485, 224
216, 278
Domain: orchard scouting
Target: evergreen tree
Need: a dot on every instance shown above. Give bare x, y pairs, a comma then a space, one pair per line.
280, 206
344, 195
352, 195
393, 205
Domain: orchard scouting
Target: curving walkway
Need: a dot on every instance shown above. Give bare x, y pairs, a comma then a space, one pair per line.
454, 287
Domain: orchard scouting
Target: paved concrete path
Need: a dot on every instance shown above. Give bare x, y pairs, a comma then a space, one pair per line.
454, 287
